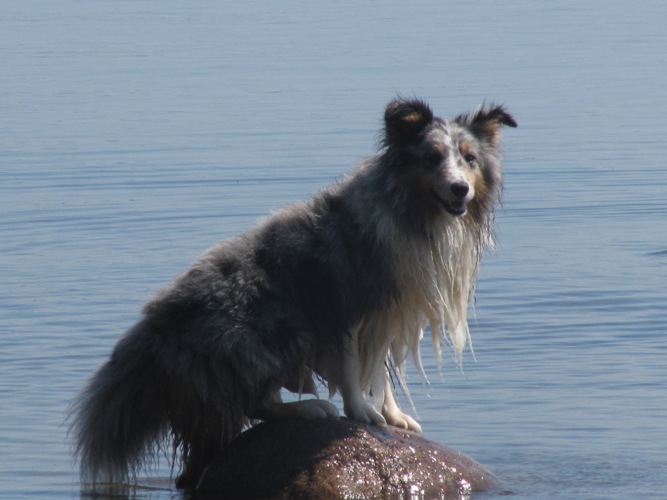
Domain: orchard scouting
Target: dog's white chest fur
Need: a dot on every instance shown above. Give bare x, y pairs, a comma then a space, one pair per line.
436, 278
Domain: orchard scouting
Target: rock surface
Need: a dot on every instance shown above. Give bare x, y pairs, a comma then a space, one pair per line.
332, 458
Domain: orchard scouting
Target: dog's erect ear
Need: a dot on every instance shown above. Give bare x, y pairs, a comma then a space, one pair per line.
404, 119
485, 123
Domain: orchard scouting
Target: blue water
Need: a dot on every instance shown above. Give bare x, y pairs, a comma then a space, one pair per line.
136, 134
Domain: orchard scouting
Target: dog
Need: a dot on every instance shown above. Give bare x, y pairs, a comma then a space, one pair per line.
339, 288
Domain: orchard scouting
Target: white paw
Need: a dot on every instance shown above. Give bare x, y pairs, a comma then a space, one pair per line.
402, 420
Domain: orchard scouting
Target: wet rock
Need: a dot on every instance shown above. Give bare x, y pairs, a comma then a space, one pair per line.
332, 458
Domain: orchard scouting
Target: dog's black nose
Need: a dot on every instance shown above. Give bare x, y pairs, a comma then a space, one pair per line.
460, 189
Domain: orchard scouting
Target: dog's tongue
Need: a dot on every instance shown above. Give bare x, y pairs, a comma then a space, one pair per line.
457, 208
453, 208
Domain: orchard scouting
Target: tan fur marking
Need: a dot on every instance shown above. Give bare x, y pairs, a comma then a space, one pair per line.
438, 149
413, 117
492, 128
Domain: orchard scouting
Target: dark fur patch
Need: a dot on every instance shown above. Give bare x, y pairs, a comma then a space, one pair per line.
404, 120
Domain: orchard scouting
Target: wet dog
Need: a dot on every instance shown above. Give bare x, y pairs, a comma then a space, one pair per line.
340, 287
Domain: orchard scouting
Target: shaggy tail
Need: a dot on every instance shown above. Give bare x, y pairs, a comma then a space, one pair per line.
122, 412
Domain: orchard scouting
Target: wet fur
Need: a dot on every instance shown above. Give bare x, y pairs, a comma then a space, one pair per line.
339, 287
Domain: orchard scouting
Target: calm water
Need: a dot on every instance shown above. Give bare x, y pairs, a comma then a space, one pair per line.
136, 134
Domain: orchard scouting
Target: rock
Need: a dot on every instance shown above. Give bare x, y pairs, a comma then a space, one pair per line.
339, 458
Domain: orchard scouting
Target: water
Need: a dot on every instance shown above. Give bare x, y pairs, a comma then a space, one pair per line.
136, 134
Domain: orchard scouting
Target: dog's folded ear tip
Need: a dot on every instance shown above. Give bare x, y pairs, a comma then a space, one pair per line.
509, 120
504, 117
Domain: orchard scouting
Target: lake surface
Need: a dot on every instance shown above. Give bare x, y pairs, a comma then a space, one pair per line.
134, 135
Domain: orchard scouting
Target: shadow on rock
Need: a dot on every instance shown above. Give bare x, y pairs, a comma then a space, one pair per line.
331, 458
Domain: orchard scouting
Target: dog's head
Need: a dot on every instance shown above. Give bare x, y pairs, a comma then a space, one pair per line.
450, 165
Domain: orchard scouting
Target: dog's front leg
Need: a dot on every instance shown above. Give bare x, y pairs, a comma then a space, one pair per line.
354, 403
348, 381
392, 413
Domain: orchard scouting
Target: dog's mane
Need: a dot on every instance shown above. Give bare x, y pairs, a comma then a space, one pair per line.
435, 274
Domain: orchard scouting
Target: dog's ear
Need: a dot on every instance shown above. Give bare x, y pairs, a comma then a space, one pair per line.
485, 123
404, 119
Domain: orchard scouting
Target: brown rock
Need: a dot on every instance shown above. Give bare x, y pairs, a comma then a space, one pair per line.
332, 458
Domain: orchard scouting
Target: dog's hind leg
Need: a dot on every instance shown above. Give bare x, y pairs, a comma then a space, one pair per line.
274, 408
392, 413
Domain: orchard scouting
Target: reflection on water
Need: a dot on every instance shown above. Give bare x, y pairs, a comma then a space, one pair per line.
136, 135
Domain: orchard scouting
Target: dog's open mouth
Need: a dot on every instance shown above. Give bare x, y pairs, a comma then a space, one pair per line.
454, 208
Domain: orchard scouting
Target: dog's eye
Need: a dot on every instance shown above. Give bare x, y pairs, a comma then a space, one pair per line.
470, 158
434, 155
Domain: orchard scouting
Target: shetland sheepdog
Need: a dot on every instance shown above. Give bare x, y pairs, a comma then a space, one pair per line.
340, 288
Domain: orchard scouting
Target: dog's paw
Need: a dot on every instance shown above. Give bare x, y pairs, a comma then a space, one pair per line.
402, 421
308, 408
361, 411
314, 408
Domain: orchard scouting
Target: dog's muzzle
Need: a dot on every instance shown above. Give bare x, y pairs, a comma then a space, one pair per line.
456, 206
